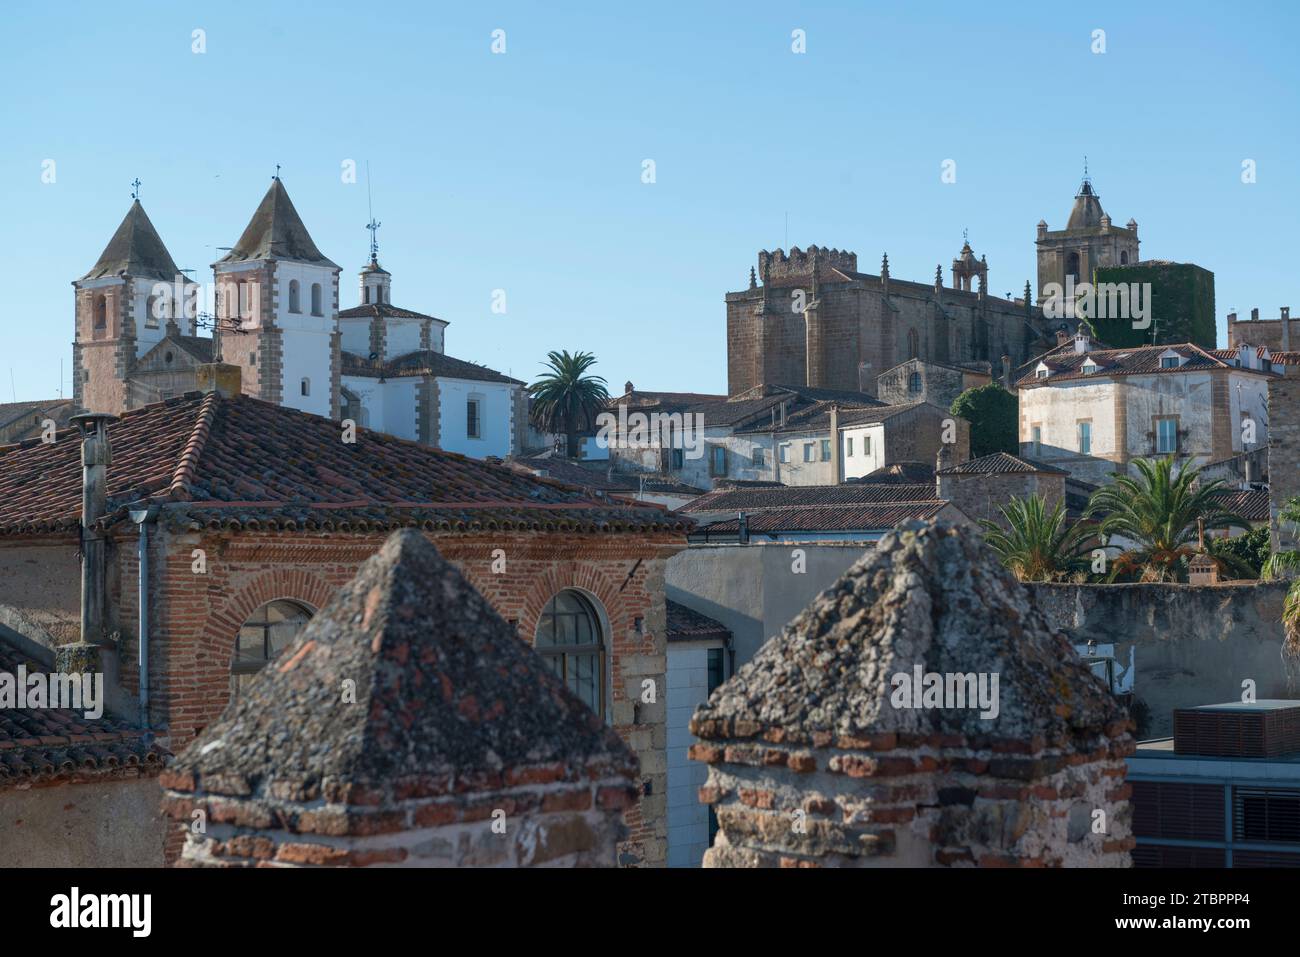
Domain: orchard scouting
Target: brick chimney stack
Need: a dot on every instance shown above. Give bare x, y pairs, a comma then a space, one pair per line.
919, 713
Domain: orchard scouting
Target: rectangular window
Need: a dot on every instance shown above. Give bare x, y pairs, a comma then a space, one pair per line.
1085, 438
1037, 433
1166, 436
784, 454
1169, 362
848, 447
808, 452
757, 457
473, 420
716, 676
679, 458
866, 445
718, 460
826, 450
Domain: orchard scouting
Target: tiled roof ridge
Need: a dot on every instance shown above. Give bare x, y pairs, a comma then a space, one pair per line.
187, 464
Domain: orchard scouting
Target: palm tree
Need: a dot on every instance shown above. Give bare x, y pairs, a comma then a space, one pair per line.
566, 399
1037, 545
1282, 565
1161, 513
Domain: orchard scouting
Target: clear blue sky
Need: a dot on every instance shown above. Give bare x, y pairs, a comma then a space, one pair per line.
523, 171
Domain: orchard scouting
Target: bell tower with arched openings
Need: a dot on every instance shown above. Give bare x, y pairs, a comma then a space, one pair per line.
1089, 240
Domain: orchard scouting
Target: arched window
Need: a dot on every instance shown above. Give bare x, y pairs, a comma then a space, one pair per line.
1123, 257
265, 634
569, 640
152, 312
101, 312
913, 344
914, 382
316, 300
1072, 266
295, 305
305, 386
366, 292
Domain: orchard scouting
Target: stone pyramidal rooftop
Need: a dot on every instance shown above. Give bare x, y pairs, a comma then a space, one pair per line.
920, 781
276, 231
449, 716
135, 250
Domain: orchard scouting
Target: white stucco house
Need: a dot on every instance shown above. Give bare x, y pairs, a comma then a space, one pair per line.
1093, 411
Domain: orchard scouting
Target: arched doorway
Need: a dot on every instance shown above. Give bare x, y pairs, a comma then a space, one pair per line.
263, 636
571, 640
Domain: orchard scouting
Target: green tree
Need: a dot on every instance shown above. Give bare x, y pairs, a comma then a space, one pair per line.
1159, 512
566, 399
1244, 556
1037, 544
994, 419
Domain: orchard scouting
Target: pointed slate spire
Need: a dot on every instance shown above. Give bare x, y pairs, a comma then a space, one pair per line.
135, 250
276, 231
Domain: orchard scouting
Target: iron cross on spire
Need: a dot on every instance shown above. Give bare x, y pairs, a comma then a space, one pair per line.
135, 188
965, 238
374, 242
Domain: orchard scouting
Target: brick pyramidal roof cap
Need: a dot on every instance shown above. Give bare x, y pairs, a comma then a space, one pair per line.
447, 697
136, 250
929, 594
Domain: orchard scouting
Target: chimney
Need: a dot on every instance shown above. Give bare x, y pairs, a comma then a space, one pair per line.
1062, 337
1254, 315
627, 387
96, 456
1007, 383
221, 377
1286, 328
942, 460
742, 530
1082, 340
837, 459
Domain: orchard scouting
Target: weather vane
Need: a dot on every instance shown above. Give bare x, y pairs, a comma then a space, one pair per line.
135, 188
277, 171
372, 225
964, 237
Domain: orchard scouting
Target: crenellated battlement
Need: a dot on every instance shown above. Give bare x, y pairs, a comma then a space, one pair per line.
781, 268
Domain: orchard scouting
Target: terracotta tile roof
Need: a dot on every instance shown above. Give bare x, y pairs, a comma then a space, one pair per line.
233, 462
135, 250
447, 699
1143, 360
60, 410
385, 310
600, 479
785, 496
1001, 463
816, 417
827, 518
899, 473
687, 624
1252, 505
40, 745
276, 231
421, 362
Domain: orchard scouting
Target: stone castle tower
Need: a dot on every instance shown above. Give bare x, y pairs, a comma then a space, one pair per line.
1088, 240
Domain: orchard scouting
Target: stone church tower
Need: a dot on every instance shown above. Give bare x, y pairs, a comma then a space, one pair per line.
1088, 240
282, 293
126, 305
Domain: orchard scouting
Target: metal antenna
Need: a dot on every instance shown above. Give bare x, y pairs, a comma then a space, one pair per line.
372, 225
